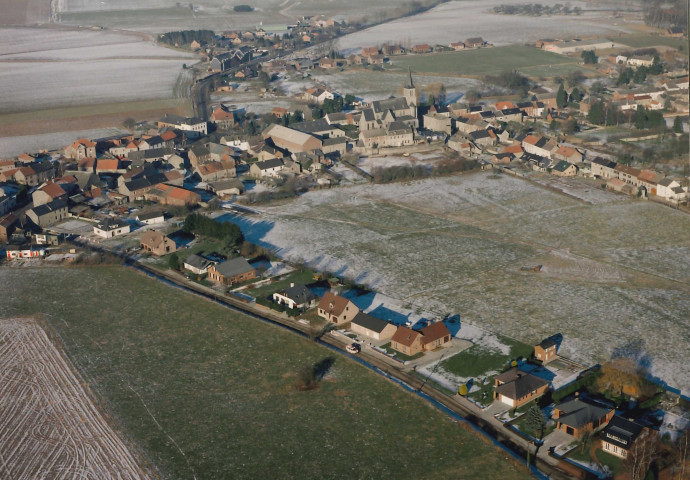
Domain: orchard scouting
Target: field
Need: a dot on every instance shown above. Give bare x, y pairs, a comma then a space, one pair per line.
491, 61
12, 146
48, 68
24, 12
644, 41
208, 393
459, 20
615, 266
165, 15
50, 426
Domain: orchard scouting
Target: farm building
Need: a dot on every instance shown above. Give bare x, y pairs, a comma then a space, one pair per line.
290, 139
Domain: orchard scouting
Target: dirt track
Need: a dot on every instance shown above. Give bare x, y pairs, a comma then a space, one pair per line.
49, 426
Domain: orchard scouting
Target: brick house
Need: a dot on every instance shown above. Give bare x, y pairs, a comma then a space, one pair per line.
577, 416
230, 272
336, 309
515, 387
156, 243
407, 341
545, 351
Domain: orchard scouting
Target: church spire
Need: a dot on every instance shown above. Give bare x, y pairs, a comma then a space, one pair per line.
409, 83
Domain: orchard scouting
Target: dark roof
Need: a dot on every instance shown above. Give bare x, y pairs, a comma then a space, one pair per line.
299, 294
316, 126
518, 384
479, 134
524, 105
370, 323
622, 432
578, 412
562, 166
511, 111
49, 207
110, 223
547, 343
604, 163
541, 142
487, 114
149, 215
197, 261
233, 267
334, 141
368, 115
270, 163
150, 153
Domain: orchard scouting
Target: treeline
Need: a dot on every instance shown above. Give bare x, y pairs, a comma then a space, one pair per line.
537, 9
639, 75
185, 37
512, 80
208, 227
414, 172
672, 13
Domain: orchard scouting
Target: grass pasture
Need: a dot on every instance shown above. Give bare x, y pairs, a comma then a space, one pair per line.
180, 374
644, 41
491, 61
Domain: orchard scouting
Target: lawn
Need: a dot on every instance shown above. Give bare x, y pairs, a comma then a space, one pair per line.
488, 61
643, 41
405, 358
479, 360
180, 374
305, 276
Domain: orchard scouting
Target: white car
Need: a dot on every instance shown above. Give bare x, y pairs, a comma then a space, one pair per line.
353, 348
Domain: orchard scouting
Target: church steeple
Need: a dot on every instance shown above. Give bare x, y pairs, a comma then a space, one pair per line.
409, 83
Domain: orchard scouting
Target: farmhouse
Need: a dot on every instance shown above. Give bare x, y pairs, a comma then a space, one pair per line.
111, 227
372, 327
336, 309
421, 48
195, 126
48, 213
156, 243
230, 272
47, 193
266, 168
226, 188
516, 388
80, 149
602, 168
620, 435
577, 416
171, 195
564, 169
296, 296
197, 264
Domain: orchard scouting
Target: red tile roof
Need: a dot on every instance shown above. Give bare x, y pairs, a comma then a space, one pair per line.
53, 190
405, 336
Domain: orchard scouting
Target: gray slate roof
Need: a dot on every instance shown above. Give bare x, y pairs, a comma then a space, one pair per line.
235, 266
299, 294
579, 412
197, 261
622, 432
370, 323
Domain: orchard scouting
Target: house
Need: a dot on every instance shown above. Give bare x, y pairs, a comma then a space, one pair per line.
226, 188
602, 168
577, 416
457, 45
370, 51
564, 169
111, 227
296, 296
156, 243
317, 95
336, 309
48, 213
435, 335
230, 272
8, 225
171, 195
372, 327
569, 154
266, 168
438, 123
666, 188
407, 341
545, 351
151, 218
621, 434
212, 171
194, 126
197, 264
475, 42
48, 193
81, 148
515, 387
421, 48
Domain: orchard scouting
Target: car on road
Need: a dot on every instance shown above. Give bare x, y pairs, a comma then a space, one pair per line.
353, 348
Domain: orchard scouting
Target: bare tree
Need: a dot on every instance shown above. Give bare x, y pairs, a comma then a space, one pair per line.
641, 455
682, 447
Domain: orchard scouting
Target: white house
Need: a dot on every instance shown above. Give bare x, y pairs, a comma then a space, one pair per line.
151, 218
110, 227
297, 296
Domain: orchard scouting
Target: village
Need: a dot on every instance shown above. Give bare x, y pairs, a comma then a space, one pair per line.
167, 195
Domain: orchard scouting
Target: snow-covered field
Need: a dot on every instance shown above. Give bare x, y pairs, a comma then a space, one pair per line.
12, 146
50, 68
615, 274
458, 20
